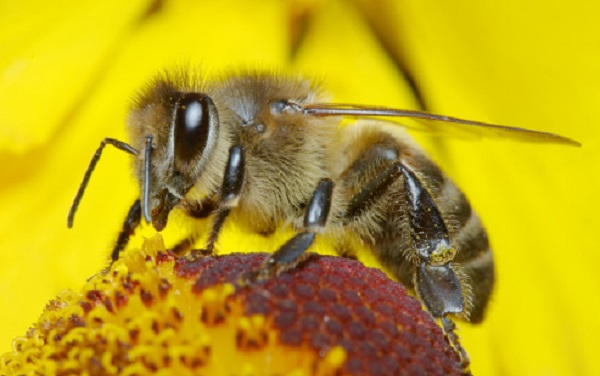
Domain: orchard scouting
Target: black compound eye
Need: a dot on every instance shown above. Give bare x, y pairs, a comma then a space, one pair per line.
194, 114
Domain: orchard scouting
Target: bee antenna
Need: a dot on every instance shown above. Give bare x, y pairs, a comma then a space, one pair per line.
146, 184
88, 173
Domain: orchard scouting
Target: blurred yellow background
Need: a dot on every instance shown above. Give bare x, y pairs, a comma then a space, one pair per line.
68, 71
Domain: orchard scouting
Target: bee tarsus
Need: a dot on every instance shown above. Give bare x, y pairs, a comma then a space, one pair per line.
449, 328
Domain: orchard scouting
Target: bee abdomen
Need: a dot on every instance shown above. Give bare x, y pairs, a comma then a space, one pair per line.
476, 262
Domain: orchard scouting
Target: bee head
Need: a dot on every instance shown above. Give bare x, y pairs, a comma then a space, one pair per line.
180, 132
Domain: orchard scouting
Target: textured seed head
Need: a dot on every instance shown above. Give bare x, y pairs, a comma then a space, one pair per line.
151, 312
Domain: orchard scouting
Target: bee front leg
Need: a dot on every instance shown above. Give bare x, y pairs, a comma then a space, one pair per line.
291, 253
436, 282
132, 221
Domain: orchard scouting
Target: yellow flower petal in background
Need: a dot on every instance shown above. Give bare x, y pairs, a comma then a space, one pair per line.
353, 66
51, 57
530, 64
68, 74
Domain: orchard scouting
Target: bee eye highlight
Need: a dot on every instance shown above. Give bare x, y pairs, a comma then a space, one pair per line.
192, 123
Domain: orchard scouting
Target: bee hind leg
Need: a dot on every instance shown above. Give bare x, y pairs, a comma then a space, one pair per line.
292, 252
436, 282
449, 328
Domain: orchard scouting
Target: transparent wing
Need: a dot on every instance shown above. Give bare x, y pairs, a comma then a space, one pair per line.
437, 123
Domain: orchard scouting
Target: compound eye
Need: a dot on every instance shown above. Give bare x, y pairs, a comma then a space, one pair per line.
195, 113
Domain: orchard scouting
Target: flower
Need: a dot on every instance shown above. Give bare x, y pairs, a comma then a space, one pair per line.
151, 313
68, 73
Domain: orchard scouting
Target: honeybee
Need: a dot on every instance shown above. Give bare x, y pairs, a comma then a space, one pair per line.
264, 147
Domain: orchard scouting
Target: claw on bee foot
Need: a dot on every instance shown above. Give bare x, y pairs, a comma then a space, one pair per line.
252, 276
196, 254
257, 274
449, 328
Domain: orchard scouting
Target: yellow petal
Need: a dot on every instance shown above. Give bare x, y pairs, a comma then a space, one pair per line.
533, 65
52, 57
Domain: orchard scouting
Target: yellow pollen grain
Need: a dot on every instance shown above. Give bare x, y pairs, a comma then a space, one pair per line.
211, 307
332, 362
107, 363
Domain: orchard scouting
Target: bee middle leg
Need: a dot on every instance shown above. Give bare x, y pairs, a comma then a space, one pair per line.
292, 252
229, 196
